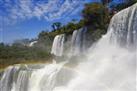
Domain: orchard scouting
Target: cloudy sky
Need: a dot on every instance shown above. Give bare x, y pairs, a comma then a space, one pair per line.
21, 19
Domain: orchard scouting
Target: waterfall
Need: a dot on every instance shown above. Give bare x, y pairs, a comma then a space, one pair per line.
24, 78
109, 66
44, 79
58, 45
77, 45
124, 27
78, 41
14, 75
32, 43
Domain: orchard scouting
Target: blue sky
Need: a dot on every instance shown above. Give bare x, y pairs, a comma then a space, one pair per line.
21, 19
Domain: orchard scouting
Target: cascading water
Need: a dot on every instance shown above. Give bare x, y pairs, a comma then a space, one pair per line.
124, 27
78, 41
77, 45
110, 66
15, 77
32, 43
58, 45
24, 78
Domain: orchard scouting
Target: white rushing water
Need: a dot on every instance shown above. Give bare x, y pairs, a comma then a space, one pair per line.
78, 41
58, 45
32, 43
109, 66
77, 44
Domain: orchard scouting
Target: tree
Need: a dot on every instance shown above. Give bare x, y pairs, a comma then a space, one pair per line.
106, 2
56, 26
95, 15
129, 2
124, 4
1, 44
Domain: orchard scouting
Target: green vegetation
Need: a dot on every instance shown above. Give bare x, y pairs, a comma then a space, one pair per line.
95, 17
16, 54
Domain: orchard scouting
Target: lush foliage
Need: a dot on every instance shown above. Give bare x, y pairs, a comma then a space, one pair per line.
96, 15
18, 53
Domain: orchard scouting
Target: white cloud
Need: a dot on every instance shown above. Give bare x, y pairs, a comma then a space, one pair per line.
42, 9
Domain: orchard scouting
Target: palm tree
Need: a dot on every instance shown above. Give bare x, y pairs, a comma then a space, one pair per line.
56, 26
